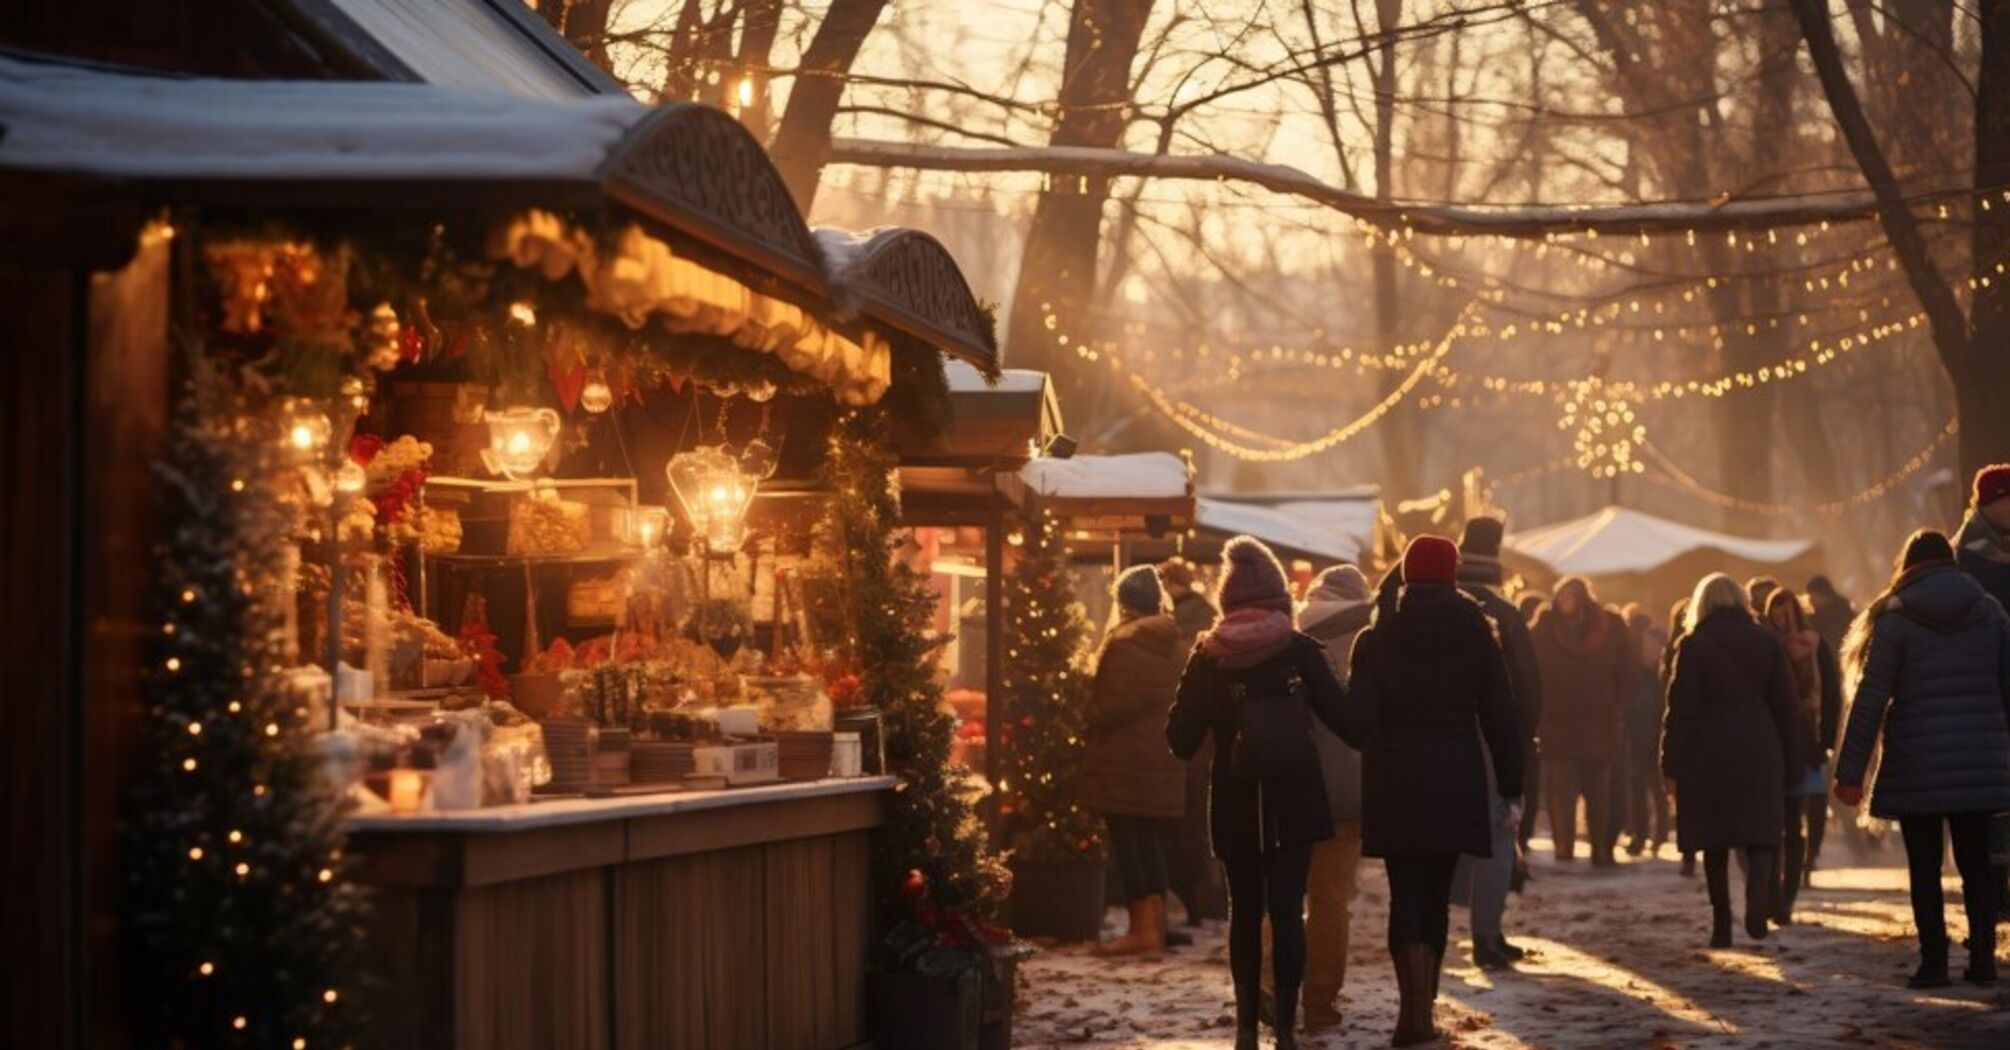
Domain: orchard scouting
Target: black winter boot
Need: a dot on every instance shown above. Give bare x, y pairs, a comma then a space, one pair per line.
1762, 876
1932, 972
1246, 1024
1285, 1025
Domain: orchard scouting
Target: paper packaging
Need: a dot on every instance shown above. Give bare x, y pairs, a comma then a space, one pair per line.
741, 720
739, 763
847, 755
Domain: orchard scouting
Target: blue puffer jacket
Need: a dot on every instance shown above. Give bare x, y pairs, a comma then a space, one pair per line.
1936, 678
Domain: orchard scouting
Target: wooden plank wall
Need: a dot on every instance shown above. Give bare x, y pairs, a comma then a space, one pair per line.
739, 948
41, 379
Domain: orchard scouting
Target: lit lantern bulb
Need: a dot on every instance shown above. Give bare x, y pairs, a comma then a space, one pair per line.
519, 443
746, 92
596, 396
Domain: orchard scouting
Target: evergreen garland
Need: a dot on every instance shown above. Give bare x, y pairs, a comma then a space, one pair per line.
1047, 685
932, 828
242, 929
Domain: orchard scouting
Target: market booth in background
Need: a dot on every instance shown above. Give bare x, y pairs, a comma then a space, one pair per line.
961, 491
522, 456
1630, 555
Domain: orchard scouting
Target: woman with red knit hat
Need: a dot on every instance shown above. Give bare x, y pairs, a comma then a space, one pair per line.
1429, 700
1254, 684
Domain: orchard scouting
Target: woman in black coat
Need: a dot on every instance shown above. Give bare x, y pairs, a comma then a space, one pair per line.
1729, 746
1254, 684
1428, 689
1933, 653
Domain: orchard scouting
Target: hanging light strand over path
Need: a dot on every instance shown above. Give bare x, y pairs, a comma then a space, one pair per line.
1671, 473
1227, 437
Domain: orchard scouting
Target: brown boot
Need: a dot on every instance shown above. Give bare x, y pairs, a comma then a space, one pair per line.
1416, 976
1145, 935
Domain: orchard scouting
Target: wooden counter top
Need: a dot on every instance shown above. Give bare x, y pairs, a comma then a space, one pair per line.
557, 812
507, 843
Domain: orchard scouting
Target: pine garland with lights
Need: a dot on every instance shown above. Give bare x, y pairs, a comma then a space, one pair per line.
931, 828
242, 929
1046, 685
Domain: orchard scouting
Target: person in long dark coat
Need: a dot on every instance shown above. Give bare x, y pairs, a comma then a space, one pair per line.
1480, 576
1812, 806
1933, 653
1788, 619
1429, 701
1126, 774
1263, 819
1191, 869
1588, 672
1982, 548
1728, 745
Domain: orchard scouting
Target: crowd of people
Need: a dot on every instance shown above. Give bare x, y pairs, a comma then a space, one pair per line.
1426, 720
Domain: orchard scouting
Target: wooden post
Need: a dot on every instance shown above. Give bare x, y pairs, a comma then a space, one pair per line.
997, 707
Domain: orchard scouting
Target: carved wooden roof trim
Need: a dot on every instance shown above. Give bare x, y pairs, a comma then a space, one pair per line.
697, 170
907, 279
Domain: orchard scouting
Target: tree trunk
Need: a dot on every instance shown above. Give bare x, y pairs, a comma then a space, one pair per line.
1057, 271
803, 142
1402, 471
1975, 360
1982, 385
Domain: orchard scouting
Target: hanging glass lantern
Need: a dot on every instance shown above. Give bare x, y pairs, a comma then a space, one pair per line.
519, 439
307, 427
715, 495
650, 525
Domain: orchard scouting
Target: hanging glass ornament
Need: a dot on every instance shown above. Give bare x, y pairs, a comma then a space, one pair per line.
759, 459
595, 396
384, 351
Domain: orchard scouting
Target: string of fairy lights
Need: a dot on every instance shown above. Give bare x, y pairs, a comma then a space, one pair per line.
1671, 473
1853, 311
1233, 439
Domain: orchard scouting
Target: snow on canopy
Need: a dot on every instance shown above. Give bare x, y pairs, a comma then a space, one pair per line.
471, 44
1301, 527
74, 120
965, 378
1137, 475
1621, 540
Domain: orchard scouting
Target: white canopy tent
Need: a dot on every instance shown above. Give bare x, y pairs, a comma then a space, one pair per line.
1635, 555
1307, 528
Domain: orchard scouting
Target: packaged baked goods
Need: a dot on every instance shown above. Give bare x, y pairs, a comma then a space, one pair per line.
543, 523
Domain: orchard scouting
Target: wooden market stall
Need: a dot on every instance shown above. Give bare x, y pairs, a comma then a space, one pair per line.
588, 271
961, 490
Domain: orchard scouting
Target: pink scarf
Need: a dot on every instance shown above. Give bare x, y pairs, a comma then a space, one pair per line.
1247, 636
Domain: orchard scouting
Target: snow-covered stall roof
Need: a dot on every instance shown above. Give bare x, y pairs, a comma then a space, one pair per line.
1621, 540
1136, 475
990, 425
1139, 492
76, 120
484, 45
1306, 528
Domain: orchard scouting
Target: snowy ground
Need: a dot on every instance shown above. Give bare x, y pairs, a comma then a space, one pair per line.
1623, 964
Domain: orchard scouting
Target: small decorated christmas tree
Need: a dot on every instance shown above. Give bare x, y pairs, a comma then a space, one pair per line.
932, 837
243, 929
1045, 685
